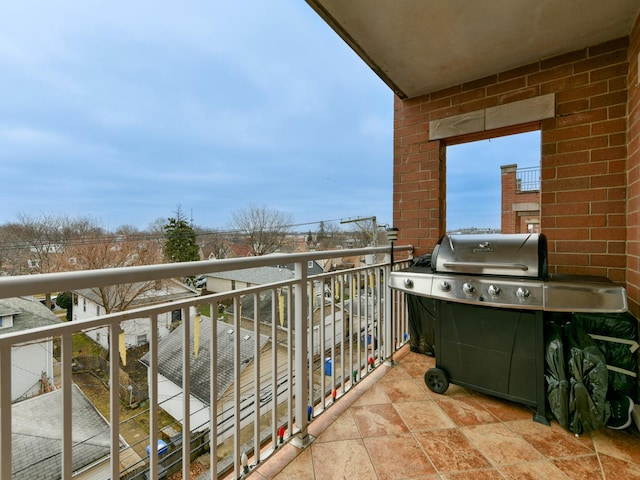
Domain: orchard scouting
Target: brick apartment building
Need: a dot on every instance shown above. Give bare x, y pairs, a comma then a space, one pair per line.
520, 200
466, 71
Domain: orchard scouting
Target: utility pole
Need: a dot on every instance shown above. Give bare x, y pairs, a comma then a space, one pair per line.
374, 242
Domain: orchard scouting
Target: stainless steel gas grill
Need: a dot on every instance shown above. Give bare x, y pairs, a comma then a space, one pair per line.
490, 294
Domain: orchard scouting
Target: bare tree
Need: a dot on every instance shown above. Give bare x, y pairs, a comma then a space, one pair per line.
262, 229
213, 244
328, 235
364, 232
34, 244
109, 251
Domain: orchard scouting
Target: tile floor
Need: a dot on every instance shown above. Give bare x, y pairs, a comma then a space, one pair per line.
391, 426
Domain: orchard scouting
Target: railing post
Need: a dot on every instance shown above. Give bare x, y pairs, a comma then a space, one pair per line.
5, 412
186, 391
302, 438
153, 398
114, 395
66, 411
388, 318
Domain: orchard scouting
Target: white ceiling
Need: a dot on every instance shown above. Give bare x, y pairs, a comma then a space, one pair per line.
421, 46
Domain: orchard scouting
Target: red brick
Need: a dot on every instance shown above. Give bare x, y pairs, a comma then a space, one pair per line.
448, 92
566, 209
481, 82
570, 158
608, 233
611, 180
569, 107
582, 144
609, 126
608, 99
564, 59
569, 259
578, 131
619, 83
610, 153
611, 46
590, 116
599, 61
566, 83
582, 93
616, 247
581, 170
519, 72
584, 246
581, 221
547, 75
510, 85
609, 261
613, 71
608, 207
593, 195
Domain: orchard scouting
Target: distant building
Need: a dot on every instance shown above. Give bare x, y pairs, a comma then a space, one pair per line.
520, 199
89, 304
32, 364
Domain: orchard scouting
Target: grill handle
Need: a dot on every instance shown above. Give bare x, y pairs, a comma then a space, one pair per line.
482, 265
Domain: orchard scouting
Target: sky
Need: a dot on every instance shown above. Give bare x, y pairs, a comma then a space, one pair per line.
125, 112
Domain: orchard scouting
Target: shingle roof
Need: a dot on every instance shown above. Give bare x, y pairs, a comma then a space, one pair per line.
169, 292
256, 276
27, 314
37, 433
170, 357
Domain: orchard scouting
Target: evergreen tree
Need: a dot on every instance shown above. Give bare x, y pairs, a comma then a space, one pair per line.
180, 240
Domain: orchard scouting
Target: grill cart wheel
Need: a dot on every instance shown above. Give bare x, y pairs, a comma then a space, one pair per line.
436, 380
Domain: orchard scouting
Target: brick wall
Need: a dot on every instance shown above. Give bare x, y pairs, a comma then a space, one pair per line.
633, 175
583, 156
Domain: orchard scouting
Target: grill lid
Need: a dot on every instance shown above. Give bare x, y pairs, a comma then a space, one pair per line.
513, 255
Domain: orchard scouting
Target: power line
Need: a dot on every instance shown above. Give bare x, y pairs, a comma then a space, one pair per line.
8, 245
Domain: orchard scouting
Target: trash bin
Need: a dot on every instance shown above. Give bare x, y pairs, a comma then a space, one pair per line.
327, 367
162, 448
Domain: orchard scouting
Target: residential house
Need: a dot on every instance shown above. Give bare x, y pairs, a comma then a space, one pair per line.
32, 364
89, 304
170, 369
249, 277
36, 426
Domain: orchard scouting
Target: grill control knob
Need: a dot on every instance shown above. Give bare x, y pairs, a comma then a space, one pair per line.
494, 290
523, 292
445, 286
468, 288
408, 283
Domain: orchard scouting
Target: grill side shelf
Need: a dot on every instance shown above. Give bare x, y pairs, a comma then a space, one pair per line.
583, 296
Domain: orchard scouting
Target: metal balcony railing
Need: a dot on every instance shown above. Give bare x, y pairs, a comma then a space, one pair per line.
321, 334
527, 179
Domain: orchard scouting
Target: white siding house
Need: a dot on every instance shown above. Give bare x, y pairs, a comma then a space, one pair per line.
88, 304
32, 364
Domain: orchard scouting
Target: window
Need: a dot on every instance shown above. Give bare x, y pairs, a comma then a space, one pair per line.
97, 310
84, 304
310, 264
475, 176
141, 340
